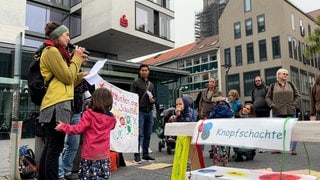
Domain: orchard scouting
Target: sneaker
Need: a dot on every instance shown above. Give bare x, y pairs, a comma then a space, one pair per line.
148, 158
149, 150
137, 160
71, 176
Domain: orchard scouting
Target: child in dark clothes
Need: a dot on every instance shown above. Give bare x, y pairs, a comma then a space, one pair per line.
220, 110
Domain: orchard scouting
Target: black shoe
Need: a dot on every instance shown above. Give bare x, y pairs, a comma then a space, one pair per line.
71, 177
148, 158
137, 160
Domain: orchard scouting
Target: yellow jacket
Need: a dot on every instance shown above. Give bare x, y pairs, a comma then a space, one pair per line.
61, 86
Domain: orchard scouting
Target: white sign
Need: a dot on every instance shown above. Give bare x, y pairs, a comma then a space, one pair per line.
124, 137
266, 133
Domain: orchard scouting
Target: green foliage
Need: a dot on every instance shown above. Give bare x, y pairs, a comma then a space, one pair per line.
313, 41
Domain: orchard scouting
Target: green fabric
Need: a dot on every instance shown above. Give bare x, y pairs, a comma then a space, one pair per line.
58, 31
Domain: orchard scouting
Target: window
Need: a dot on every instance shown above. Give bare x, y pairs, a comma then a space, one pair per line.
292, 22
248, 78
196, 61
74, 23
247, 5
304, 82
168, 4
302, 31
144, 18
299, 51
276, 50
261, 23
227, 56
290, 46
233, 82
294, 77
237, 30
204, 59
181, 64
263, 50
166, 26
249, 30
7, 62
238, 53
205, 77
213, 57
295, 52
38, 15
189, 62
309, 30
270, 75
250, 53
196, 78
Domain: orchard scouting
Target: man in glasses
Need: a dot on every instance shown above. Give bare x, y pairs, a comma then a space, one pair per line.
258, 98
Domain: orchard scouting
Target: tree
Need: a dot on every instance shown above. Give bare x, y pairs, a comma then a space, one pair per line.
313, 41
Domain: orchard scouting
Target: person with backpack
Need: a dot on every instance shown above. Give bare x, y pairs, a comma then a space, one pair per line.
258, 95
315, 101
283, 97
57, 64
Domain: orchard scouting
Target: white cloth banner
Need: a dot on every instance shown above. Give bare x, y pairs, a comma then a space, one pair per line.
266, 133
124, 137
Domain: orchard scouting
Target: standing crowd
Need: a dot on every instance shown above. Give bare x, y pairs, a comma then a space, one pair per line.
65, 112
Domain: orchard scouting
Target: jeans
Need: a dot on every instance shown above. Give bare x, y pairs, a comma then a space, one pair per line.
71, 145
145, 130
293, 144
49, 162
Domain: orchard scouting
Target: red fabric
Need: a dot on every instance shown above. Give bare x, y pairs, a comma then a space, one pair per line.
62, 50
96, 129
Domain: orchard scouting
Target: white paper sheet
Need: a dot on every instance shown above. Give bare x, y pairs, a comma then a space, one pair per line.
93, 77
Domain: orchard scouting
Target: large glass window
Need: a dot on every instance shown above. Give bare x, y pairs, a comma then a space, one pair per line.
270, 75
290, 46
144, 18
292, 22
6, 61
263, 50
150, 21
169, 4
305, 83
238, 53
237, 30
295, 49
250, 53
261, 23
294, 77
166, 26
248, 78
247, 5
233, 82
38, 15
227, 56
276, 49
249, 30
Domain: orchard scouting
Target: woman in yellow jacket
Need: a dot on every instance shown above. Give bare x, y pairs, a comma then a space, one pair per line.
57, 64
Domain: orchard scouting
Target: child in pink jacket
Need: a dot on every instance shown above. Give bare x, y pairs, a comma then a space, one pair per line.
95, 124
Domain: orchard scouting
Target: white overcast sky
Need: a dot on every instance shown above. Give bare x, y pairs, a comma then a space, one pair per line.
185, 11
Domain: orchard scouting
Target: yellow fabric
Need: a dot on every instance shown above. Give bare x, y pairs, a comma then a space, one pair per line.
61, 86
180, 160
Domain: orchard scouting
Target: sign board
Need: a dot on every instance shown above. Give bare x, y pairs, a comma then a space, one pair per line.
264, 133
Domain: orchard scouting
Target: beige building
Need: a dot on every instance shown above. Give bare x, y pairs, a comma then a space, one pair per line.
258, 37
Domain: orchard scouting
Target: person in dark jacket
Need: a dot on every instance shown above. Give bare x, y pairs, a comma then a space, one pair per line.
258, 95
145, 90
183, 111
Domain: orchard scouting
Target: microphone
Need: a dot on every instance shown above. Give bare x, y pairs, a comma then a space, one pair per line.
71, 46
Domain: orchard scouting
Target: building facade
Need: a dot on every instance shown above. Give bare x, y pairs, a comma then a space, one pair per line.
118, 31
201, 59
257, 38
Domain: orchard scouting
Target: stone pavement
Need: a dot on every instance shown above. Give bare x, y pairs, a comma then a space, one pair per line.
147, 171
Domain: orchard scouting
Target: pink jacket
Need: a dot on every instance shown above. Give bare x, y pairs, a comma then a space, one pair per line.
96, 129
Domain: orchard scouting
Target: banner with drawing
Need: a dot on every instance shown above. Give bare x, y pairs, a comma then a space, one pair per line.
266, 133
124, 137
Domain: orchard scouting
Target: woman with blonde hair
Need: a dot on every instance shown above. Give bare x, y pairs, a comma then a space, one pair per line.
234, 102
283, 98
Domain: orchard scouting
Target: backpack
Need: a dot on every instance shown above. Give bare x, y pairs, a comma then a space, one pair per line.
27, 164
36, 84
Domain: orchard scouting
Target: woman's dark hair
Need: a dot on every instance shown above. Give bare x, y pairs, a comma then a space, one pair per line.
50, 27
101, 101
